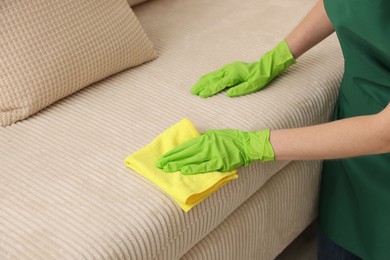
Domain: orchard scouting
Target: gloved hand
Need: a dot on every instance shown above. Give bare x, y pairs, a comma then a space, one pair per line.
218, 150
245, 78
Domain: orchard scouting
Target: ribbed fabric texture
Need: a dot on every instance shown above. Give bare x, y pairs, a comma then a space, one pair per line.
269, 220
64, 192
50, 49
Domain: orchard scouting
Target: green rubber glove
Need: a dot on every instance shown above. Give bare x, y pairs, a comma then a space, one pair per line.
218, 150
245, 78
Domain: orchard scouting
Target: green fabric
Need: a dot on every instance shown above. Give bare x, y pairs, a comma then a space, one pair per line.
354, 208
218, 150
245, 78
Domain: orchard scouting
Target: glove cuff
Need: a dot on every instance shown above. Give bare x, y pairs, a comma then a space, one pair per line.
258, 146
280, 58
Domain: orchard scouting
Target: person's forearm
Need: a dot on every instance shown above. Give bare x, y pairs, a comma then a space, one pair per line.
315, 27
344, 138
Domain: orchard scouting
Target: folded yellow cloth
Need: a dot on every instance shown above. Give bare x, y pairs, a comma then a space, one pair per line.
186, 190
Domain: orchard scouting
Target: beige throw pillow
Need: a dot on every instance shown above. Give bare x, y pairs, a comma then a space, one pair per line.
52, 48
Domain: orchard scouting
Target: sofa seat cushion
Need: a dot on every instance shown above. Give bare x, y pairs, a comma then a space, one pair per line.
269, 220
64, 189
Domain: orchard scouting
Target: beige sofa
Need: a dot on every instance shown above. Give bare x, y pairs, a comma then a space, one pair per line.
65, 193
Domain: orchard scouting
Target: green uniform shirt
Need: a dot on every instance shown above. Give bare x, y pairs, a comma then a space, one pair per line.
355, 194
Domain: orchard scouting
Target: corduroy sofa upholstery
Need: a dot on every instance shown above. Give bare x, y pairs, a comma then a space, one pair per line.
66, 194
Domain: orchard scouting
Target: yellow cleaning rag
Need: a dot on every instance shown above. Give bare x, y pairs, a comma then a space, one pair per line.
186, 190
